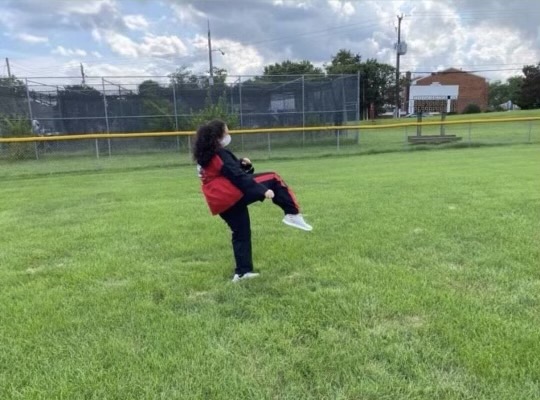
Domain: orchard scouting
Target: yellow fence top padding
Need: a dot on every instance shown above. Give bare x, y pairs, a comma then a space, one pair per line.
365, 126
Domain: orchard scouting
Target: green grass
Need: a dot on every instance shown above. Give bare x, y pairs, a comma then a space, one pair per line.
419, 281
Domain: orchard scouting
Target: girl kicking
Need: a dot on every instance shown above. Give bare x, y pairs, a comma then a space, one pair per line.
229, 186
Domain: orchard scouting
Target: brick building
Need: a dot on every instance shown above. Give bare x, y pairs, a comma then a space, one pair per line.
472, 89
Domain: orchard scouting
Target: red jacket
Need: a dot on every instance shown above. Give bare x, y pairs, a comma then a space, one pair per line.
224, 182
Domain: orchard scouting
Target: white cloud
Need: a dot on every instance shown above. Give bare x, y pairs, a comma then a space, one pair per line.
105, 69
187, 14
97, 54
151, 45
86, 7
342, 8
120, 44
7, 19
136, 22
62, 51
162, 46
96, 34
238, 59
25, 37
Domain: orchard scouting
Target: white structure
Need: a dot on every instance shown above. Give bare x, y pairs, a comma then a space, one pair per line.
509, 106
435, 91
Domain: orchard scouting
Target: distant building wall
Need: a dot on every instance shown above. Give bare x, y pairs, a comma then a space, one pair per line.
473, 89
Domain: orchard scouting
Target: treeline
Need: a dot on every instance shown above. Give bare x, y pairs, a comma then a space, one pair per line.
522, 90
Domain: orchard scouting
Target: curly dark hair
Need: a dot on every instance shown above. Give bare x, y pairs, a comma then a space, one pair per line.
207, 141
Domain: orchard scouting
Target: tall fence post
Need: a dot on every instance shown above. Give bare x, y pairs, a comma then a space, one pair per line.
406, 138
344, 114
240, 98
358, 106
443, 118
232, 99
31, 115
303, 111
106, 114
240, 109
97, 149
358, 96
269, 144
175, 116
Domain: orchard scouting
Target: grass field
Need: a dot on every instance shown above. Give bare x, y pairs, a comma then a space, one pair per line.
419, 281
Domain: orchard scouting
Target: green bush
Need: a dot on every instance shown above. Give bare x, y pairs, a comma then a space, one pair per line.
472, 109
14, 128
218, 110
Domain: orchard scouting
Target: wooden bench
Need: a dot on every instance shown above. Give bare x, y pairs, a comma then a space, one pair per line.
433, 139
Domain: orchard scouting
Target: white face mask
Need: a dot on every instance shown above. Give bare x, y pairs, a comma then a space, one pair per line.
225, 140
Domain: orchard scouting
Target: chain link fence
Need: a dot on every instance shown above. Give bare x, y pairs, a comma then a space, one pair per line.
302, 115
104, 105
155, 104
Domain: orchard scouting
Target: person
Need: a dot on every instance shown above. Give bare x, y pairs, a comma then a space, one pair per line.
230, 185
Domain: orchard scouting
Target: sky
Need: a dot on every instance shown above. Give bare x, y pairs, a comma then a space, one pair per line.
46, 38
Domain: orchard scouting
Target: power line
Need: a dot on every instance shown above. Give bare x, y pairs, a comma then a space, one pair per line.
365, 24
477, 13
466, 71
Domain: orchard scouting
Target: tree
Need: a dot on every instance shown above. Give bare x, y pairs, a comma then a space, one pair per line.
12, 96
17, 127
272, 72
345, 62
379, 83
497, 94
500, 92
377, 79
156, 104
514, 88
530, 88
216, 110
220, 75
183, 78
76, 102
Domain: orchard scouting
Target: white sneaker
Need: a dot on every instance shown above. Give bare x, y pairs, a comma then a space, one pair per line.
297, 221
247, 275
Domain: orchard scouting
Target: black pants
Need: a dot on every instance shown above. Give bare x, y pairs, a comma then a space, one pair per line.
237, 217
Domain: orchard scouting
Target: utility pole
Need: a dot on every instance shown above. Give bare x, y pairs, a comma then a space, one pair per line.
8, 68
398, 53
211, 80
82, 74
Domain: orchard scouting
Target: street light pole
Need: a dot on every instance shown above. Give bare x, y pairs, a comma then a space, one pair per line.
211, 81
211, 64
398, 53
